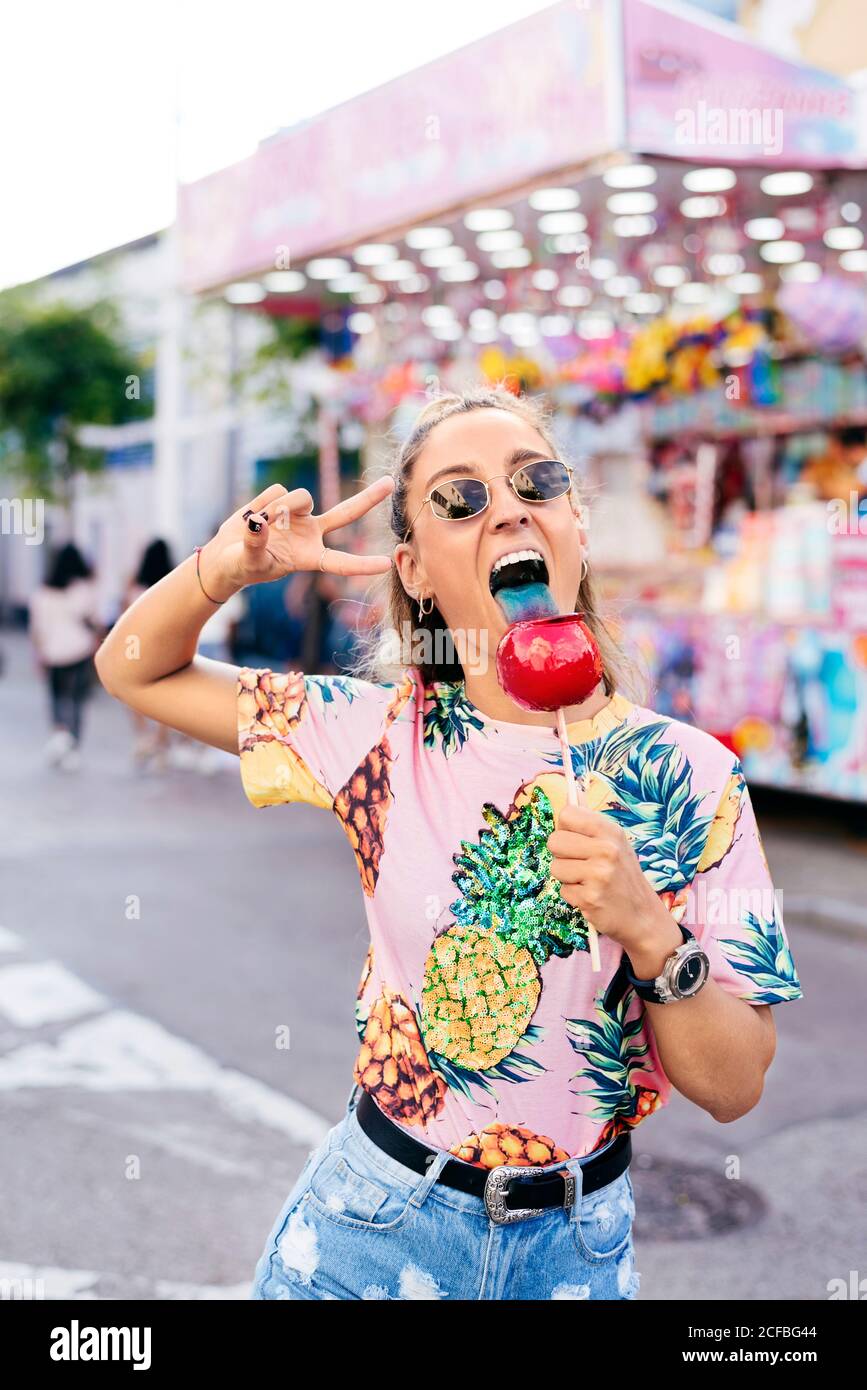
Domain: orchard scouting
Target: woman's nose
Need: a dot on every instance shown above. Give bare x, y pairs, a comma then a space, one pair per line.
506, 508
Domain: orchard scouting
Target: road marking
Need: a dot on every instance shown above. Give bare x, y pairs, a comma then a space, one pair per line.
122, 1051
119, 1050
34, 994
28, 1283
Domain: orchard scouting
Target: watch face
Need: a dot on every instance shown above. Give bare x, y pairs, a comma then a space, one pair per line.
691, 974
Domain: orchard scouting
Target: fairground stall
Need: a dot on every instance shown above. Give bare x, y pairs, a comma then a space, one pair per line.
660, 225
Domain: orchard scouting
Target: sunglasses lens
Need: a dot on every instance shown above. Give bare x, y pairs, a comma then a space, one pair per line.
459, 497
539, 481
542, 480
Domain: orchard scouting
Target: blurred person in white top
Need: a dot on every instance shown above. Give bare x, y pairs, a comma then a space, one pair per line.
152, 741
65, 629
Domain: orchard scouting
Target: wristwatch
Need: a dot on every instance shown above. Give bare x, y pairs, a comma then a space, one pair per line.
682, 975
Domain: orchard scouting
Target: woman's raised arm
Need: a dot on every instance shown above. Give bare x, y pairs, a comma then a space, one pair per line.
149, 659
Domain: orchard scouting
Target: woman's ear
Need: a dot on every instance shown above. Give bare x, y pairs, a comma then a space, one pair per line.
411, 572
579, 511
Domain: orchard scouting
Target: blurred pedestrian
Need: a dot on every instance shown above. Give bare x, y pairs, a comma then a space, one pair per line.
216, 641
65, 630
152, 741
217, 637
316, 654
273, 623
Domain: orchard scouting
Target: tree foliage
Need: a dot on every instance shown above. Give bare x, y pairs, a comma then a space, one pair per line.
61, 367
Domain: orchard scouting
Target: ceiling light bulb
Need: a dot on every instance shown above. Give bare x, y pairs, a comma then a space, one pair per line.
554, 199
764, 228
629, 176
284, 281
488, 220
669, 275
748, 283
703, 205
844, 238
633, 226
424, 238
781, 252
786, 183
327, 267
709, 180
374, 253
631, 202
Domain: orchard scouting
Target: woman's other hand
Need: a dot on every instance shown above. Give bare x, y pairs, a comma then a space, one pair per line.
289, 538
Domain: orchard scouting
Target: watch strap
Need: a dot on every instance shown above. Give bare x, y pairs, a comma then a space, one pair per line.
623, 979
651, 984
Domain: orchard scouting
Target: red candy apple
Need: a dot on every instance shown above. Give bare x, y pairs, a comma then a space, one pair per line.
549, 663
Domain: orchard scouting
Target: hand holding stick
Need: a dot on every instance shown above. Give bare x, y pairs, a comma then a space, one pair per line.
574, 799
549, 663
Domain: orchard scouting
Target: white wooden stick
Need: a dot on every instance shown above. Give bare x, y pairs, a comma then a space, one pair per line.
574, 800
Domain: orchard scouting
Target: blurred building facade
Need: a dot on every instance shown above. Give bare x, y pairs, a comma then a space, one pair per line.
180, 472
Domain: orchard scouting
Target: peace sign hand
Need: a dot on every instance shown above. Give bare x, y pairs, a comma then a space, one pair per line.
290, 537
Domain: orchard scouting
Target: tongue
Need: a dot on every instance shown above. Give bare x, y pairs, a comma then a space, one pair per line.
526, 601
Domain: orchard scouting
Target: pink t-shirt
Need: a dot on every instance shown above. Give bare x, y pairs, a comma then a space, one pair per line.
482, 1027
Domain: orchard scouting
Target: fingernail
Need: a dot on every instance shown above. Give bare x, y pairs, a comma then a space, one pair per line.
255, 526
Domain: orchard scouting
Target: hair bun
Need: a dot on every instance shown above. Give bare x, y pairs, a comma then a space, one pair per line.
433, 407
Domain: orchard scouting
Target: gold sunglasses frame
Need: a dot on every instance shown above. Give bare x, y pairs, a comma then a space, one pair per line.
486, 483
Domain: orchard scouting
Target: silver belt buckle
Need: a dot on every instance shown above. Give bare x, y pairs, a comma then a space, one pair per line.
495, 1194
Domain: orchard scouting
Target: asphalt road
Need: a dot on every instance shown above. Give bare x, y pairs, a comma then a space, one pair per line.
159, 936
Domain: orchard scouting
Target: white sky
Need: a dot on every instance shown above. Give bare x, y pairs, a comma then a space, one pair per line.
103, 104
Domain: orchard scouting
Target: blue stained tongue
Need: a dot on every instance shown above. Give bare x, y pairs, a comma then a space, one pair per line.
527, 601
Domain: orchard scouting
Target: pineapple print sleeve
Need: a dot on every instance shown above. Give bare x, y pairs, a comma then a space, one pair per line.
301, 738
737, 917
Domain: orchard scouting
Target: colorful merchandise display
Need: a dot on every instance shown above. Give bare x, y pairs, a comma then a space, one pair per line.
780, 674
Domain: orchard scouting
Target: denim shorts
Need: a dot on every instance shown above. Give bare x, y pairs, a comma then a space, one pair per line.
358, 1224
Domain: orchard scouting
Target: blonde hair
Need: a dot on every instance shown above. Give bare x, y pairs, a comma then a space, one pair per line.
398, 615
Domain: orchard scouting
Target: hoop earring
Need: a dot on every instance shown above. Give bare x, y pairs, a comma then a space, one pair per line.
584, 568
425, 612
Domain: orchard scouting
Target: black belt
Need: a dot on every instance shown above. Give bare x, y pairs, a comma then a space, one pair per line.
510, 1191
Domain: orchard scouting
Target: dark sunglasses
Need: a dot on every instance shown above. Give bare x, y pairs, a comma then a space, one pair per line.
455, 499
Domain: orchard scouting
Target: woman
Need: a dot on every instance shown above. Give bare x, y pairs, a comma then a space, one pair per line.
151, 743
485, 1148
65, 628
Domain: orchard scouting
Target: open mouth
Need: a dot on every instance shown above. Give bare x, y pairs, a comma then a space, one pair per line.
516, 569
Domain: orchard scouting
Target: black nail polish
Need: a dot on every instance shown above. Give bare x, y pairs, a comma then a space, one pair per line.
255, 526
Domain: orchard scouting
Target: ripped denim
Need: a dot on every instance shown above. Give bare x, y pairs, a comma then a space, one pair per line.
358, 1224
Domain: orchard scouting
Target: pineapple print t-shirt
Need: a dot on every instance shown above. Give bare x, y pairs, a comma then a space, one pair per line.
481, 1026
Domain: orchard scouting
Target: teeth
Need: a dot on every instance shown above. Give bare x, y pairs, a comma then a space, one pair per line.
514, 556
